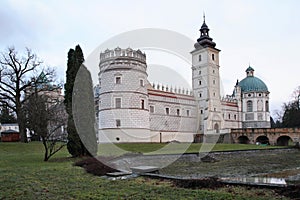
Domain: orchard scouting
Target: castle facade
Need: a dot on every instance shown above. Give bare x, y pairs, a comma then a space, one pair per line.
130, 109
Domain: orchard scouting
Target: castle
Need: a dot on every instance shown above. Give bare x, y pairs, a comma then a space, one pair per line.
130, 109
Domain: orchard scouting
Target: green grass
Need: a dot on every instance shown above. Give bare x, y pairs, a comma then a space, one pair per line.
173, 148
23, 175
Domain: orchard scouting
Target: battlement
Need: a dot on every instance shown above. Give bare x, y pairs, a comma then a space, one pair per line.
120, 58
229, 99
166, 88
119, 53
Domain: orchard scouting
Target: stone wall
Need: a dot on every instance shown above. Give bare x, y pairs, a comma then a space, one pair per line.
273, 134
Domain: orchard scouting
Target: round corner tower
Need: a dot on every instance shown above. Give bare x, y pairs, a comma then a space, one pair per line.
123, 99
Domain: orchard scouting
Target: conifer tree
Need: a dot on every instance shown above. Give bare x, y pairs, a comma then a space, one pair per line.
6, 115
84, 110
75, 59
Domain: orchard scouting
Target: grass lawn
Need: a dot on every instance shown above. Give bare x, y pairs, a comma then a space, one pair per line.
173, 148
24, 175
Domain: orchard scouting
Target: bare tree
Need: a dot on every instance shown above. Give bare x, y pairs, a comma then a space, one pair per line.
16, 73
47, 119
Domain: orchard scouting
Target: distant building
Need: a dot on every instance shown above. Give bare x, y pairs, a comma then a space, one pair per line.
130, 109
10, 133
55, 102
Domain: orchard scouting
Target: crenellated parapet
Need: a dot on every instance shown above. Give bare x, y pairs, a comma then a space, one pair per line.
229, 98
122, 58
176, 90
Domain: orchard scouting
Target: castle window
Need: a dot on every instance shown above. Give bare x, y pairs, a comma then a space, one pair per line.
118, 123
188, 113
259, 116
199, 58
167, 111
249, 95
201, 111
118, 80
143, 104
267, 106
228, 116
151, 109
249, 116
200, 82
214, 94
213, 56
178, 112
215, 109
141, 82
249, 106
216, 127
118, 102
214, 81
259, 95
199, 72
235, 117
213, 71
200, 94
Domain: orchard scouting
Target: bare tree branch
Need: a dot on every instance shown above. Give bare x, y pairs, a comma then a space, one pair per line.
15, 79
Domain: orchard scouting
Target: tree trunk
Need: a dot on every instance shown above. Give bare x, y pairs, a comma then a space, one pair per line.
21, 120
22, 129
46, 157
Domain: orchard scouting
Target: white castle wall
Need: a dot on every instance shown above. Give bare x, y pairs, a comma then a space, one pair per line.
130, 68
173, 126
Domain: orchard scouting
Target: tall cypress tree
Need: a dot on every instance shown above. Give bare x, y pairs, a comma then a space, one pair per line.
75, 59
84, 110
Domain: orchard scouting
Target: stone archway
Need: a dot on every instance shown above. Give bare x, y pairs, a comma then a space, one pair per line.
243, 140
262, 139
216, 128
284, 140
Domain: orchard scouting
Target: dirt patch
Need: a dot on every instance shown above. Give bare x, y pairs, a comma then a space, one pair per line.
208, 158
212, 183
95, 167
292, 192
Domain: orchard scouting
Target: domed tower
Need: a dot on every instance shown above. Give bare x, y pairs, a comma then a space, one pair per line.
123, 98
206, 82
255, 101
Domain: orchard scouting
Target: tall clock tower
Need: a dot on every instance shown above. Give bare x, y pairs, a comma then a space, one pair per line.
206, 82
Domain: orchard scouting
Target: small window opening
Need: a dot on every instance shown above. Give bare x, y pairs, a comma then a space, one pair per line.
167, 111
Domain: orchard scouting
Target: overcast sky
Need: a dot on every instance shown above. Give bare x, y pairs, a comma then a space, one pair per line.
262, 33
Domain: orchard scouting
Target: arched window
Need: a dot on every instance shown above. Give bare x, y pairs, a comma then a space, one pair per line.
249, 106
167, 111
143, 104
267, 106
216, 127
178, 112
